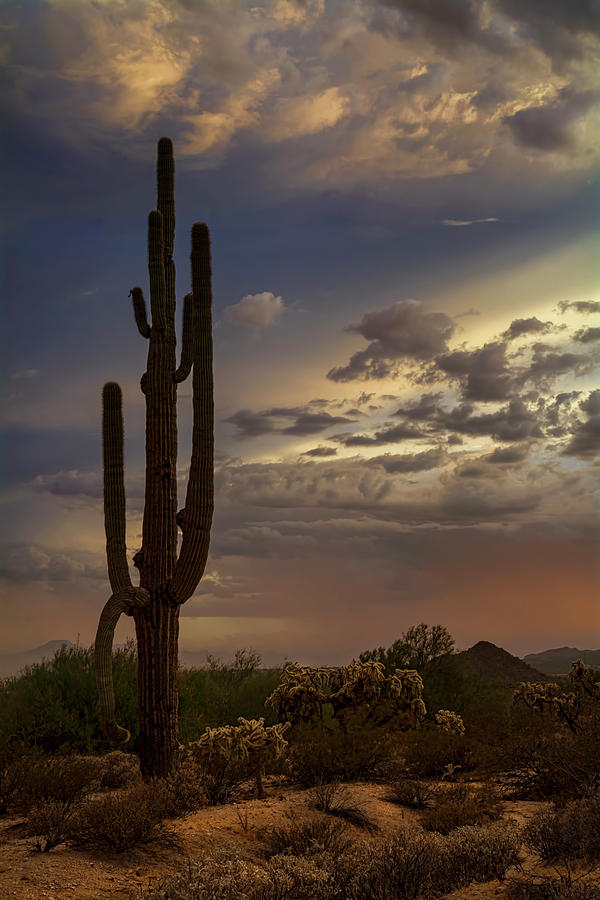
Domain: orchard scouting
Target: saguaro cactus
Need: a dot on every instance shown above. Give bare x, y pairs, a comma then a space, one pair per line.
165, 580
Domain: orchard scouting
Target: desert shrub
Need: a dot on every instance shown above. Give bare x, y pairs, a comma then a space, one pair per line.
410, 792
335, 800
15, 761
325, 751
305, 837
52, 792
65, 779
183, 791
120, 821
461, 804
415, 863
219, 874
118, 770
300, 878
553, 889
429, 751
567, 833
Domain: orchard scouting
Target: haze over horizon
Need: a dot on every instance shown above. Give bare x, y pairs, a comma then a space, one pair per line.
406, 305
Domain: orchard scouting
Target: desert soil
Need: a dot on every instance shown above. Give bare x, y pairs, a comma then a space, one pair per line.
68, 873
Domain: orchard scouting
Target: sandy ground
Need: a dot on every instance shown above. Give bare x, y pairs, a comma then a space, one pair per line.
69, 873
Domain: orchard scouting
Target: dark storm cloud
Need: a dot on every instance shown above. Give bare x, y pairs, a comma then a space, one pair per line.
388, 435
425, 408
554, 27
550, 127
320, 451
83, 485
580, 306
585, 442
398, 333
272, 421
411, 462
508, 455
519, 327
587, 335
484, 371
548, 363
516, 422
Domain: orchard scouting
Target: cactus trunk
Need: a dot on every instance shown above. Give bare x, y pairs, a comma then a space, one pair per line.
165, 581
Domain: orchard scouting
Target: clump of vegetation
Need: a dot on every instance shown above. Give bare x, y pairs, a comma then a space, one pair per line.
461, 804
433, 752
118, 770
52, 794
305, 837
570, 832
409, 865
120, 821
411, 792
335, 800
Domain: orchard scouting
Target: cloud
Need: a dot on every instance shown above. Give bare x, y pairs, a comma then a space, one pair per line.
552, 126
320, 452
389, 435
412, 462
508, 455
587, 335
401, 332
269, 421
532, 325
256, 310
23, 563
580, 306
585, 442
296, 117
516, 422
483, 372
426, 407
70, 484
549, 363
460, 223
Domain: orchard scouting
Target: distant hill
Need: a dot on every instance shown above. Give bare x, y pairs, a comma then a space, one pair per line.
558, 661
498, 664
11, 663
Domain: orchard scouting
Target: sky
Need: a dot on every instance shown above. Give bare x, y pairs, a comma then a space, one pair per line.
402, 198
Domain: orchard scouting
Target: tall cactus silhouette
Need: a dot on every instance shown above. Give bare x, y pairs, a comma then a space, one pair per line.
166, 581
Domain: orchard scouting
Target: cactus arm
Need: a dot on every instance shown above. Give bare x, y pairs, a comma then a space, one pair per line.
156, 270
165, 182
139, 311
187, 340
120, 602
114, 488
199, 502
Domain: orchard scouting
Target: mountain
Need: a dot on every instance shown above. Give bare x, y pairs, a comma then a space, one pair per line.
499, 665
558, 661
11, 663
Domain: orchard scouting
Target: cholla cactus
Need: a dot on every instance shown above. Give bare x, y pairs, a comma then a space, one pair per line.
245, 747
550, 697
304, 690
166, 580
300, 695
449, 721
